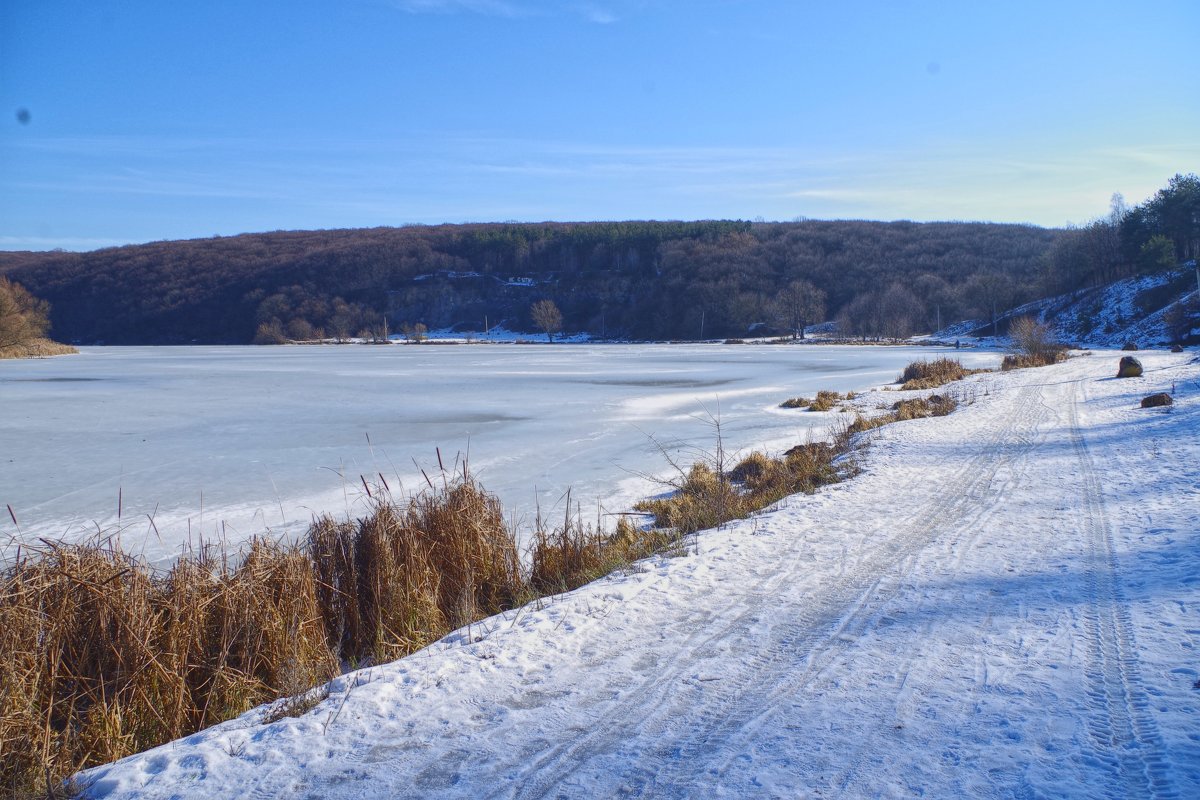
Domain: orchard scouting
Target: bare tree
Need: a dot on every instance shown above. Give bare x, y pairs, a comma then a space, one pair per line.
890, 313
991, 292
414, 333
547, 317
1033, 338
859, 317
23, 317
899, 311
799, 305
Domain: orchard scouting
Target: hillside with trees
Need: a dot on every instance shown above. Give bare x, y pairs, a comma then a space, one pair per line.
637, 280
1151, 237
640, 280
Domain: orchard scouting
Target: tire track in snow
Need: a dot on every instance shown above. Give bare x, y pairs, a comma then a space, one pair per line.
962, 539
788, 666
792, 653
1124, 737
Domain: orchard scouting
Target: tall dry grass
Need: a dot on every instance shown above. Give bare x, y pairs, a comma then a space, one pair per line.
102, 655
403, 577
574, 553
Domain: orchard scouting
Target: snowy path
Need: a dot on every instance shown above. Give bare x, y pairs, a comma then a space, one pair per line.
1004, 604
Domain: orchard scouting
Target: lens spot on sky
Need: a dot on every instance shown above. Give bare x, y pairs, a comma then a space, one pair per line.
23, 116
933, 68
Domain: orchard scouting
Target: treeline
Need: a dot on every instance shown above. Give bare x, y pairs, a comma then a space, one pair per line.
1151, 237
643, 280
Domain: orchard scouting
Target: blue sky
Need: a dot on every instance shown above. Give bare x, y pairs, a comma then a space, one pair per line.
143, 120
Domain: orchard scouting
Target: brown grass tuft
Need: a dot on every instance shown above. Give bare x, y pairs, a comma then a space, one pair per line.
902, 410
705, 499
103, 657
932, 374
825, 401
1023, 360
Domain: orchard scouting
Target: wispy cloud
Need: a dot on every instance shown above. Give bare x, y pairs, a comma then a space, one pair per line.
597, 14
490, 8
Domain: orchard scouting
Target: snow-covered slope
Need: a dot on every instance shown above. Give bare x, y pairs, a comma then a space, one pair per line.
1129, 310
1005, 603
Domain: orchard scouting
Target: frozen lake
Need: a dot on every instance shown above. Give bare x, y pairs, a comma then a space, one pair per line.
234, 441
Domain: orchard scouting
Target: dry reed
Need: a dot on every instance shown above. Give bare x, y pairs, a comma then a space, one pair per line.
706, 497
932, 374
102, 655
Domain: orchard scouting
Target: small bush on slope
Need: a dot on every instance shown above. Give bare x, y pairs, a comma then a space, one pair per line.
1034, 345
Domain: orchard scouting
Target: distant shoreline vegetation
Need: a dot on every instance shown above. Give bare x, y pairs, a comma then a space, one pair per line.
641, 281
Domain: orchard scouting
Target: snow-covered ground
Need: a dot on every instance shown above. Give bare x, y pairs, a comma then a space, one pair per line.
1005, 603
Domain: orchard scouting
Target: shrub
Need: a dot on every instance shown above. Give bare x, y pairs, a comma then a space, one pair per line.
796, 402
933, 406
932, 374
1035, 340
37, 348
1181, 317
270, 333
825, 401
23, 317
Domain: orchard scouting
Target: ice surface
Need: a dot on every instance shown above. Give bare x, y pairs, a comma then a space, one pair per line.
232, 441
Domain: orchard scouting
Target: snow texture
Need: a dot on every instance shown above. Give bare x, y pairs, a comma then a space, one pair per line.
1005, 603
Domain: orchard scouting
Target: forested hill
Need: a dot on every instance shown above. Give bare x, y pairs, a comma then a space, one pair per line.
641, 280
